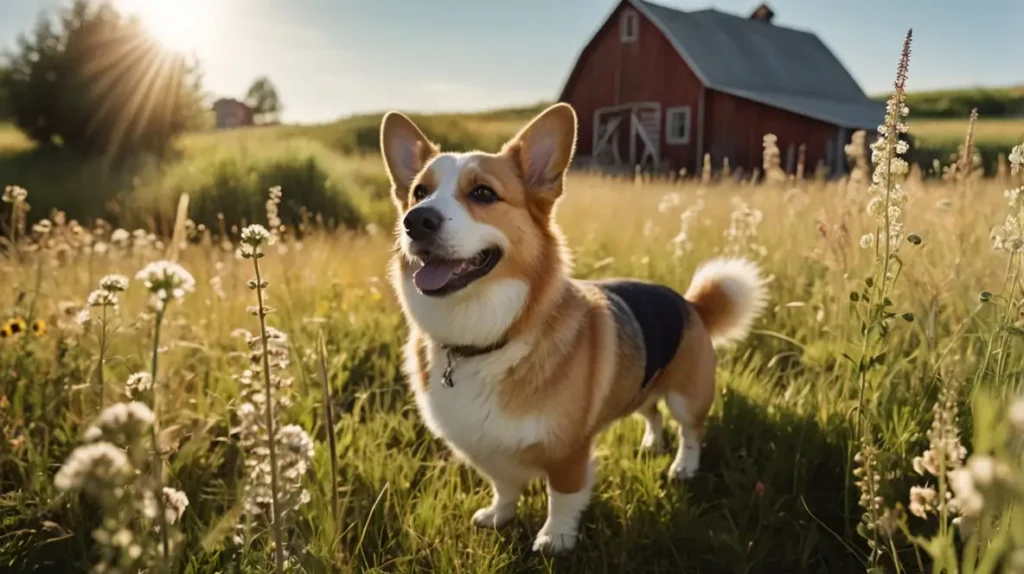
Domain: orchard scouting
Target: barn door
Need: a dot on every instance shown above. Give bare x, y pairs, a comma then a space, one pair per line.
606, 139
628, 135
645, 135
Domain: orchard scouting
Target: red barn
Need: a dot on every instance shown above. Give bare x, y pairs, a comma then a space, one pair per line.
660, 87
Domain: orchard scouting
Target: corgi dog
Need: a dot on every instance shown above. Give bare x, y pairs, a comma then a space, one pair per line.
516, 365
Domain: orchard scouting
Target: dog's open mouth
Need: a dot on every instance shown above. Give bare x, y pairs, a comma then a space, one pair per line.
443, 276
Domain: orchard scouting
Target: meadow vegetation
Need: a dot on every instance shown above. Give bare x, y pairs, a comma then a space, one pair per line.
226, 390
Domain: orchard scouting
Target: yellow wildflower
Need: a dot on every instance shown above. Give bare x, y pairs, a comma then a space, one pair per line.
17, 326
39, 327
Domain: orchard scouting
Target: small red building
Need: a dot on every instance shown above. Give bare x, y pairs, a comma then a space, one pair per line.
231, 113
660, 87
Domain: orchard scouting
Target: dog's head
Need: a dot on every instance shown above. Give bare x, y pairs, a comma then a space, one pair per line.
474, 229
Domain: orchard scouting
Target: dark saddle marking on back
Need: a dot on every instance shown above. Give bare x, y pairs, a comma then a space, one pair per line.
661, 313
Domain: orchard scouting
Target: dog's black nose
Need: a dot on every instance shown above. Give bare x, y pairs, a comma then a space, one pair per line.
423, 223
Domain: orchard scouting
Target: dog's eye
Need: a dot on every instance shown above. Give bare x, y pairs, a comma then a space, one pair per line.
420, 192
483, 194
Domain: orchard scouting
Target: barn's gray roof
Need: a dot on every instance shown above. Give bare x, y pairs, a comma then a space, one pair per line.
777, 66
760, 61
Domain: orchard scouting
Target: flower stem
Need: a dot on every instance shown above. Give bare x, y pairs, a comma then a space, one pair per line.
329, 421
271, 435
103, 351
155, 437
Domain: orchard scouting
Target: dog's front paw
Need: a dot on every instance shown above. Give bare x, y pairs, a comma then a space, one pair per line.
493, 516
553, 543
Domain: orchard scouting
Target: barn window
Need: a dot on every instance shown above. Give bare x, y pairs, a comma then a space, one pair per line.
628, 26
677, 125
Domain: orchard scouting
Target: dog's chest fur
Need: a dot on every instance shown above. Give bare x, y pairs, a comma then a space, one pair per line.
470, 415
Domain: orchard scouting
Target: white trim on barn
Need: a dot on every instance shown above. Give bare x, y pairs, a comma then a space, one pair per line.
629, 26
672, 117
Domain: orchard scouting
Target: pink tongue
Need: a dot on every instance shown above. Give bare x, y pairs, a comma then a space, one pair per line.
433, 276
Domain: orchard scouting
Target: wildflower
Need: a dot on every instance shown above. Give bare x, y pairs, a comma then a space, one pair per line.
885, 153
166, 281
874, 519
273, 217
14, 194
93, 467
122, 419
922, 501
101, 298
867, 240
175, 502
856, 156
120, 237
17, 326
256, 235
114, 283
5, 331
772, 160
1016, 415
43, 227
138, 382
759, 489
669, 201
1017, 159
39, 327
742, 232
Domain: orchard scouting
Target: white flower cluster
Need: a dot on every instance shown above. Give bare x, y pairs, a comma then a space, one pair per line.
771, 160
742, 233
114, 283
102, 298
889, 199
945, 453
1009, 236
166, 281
121, 420
681, 243
14, 194
294, 447
273, 214
111, 468
256, 235
876, 519
138, 383
1017, 159
95, 468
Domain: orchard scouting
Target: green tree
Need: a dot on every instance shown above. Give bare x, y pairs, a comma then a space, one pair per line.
263, 99
93, 81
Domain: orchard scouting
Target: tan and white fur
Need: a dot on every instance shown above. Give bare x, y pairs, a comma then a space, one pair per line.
569, 366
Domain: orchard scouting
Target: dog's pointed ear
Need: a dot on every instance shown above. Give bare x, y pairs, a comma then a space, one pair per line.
405, 151
543, 150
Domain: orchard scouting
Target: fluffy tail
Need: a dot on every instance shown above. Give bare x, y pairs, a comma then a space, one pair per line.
728, 295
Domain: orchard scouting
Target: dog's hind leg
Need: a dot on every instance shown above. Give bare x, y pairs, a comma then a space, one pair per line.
691, 430
653, 440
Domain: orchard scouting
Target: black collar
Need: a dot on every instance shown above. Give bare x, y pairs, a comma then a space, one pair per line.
456, 352
465, 351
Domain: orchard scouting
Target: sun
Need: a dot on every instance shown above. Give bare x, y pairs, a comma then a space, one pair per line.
176, 24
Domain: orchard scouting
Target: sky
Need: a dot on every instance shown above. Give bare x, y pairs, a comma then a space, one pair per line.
332, 58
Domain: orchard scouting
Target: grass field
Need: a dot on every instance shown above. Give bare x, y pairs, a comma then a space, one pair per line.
864, 370
1001, 133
